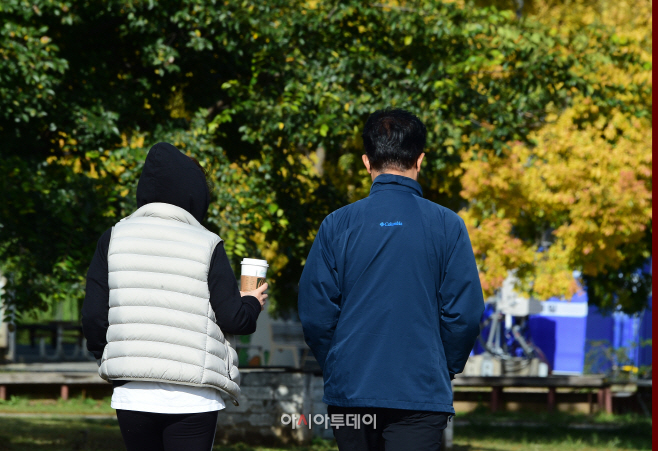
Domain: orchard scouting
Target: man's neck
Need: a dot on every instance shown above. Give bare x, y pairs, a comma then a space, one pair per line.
410, 173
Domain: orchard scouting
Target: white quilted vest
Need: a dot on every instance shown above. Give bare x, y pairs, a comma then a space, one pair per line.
161, 325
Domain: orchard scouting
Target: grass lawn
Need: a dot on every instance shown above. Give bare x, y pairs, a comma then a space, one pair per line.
74, 406
489, 437
48, 425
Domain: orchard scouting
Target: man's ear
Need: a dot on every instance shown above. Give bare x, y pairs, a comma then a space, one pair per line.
366, 163
419, 161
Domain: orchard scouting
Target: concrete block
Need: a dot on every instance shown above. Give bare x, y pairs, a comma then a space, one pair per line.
287, 393
255, 393
289, 407
258, 378
265, 397
291, 379
264, 419
281, 391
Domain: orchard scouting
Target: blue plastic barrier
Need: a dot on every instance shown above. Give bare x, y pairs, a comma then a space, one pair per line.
566, 332
560, 331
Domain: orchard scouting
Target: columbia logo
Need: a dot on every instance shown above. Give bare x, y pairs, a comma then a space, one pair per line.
389, 224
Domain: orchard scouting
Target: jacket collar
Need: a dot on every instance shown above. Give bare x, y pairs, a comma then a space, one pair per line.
165, 211
396, 182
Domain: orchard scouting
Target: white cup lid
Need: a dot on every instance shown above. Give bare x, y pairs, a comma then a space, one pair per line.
255, 262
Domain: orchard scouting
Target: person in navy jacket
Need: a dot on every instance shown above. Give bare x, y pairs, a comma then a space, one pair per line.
390, 299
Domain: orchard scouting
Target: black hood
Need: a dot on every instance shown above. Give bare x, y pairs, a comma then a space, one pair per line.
171, 177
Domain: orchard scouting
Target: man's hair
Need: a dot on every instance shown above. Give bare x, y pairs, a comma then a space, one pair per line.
393, 139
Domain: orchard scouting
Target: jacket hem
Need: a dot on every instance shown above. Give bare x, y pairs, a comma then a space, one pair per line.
389, 404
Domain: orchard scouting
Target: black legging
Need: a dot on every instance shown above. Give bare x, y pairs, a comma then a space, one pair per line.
146, 431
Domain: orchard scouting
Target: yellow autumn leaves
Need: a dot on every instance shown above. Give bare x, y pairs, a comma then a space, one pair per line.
584, 196
579, 199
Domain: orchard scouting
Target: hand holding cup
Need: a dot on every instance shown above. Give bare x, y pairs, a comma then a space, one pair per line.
252, 279
258, 293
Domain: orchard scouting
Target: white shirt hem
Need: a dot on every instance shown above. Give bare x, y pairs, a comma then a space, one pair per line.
163, 397
165, 409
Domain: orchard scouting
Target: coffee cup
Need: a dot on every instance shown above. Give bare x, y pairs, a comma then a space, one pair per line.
253, 273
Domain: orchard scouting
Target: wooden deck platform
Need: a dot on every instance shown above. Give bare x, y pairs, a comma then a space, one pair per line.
552, 383
64, 380
65, 375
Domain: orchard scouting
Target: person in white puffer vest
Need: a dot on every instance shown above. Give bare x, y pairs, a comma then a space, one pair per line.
160, 309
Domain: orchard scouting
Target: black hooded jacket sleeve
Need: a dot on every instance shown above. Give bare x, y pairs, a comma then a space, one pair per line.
235, 314
96, 305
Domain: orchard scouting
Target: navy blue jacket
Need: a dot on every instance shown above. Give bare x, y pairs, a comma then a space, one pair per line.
390, 300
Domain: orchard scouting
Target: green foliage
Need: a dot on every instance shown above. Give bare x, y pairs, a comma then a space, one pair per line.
629, 286
615, 363
270, 96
